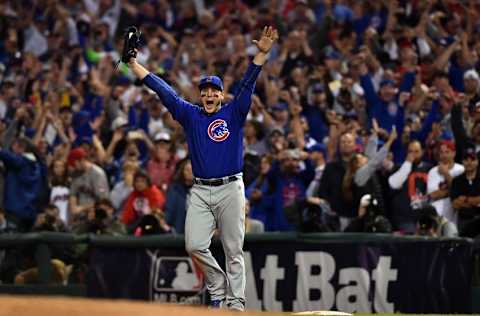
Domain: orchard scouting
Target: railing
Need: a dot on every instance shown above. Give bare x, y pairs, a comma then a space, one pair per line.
42, 243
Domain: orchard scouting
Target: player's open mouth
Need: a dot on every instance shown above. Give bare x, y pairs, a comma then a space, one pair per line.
210, 102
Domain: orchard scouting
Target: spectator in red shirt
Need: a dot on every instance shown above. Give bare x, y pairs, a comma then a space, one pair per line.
145, 199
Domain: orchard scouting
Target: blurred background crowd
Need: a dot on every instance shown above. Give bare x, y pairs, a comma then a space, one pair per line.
366, 117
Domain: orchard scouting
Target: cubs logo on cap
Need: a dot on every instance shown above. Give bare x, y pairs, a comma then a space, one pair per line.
218, 130
213, 81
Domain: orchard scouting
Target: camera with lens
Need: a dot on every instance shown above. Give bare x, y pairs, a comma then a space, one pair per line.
49, 223
100, 214
375, 222
427, 224
427, 221
98, 225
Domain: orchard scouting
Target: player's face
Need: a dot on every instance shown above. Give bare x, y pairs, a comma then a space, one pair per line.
211, 99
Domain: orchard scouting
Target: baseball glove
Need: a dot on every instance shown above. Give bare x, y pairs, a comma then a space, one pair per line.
131, 42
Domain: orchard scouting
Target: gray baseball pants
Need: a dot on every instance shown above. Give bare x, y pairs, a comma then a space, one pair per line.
223, 208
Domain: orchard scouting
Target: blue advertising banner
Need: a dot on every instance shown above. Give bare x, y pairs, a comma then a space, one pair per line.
353, 275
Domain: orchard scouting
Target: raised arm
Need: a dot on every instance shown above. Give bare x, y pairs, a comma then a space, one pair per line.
459, 133
365, 172
175, 104
366, 82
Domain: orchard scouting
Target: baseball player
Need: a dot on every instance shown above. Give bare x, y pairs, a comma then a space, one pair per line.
215, 141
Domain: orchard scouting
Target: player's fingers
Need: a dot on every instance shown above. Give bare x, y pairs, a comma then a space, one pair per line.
264, 33
255, 42
275, 35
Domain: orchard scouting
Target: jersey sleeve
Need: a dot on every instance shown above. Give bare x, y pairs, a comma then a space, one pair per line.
10, 159
178, 107
243, 98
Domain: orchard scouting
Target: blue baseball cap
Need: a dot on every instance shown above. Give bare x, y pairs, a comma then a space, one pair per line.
280, 106
318, 147
332, 54
445, 41
213, 81
387, 82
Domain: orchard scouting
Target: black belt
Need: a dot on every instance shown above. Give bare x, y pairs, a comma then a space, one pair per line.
215, 182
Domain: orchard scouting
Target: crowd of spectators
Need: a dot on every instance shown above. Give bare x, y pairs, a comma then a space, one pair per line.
365, 118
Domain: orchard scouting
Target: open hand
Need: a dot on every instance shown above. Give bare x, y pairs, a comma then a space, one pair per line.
268, 37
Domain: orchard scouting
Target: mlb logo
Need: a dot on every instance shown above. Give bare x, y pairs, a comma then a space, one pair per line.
174, 274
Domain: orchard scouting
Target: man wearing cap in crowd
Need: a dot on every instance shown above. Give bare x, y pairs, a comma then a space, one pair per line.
161, 166
276, 140
315, 112
465, 194
24, 181
318, 156
89, 184
440, 180
385, 106
280, 115
333, 63
471, 84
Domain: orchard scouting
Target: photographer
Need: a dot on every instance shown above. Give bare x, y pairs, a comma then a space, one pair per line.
49, 220
429, 223
101, 220
370, 218
317, 216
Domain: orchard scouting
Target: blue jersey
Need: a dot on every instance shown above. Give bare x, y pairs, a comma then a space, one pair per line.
215, 141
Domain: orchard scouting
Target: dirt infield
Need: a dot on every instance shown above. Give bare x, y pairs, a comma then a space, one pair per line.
62, 306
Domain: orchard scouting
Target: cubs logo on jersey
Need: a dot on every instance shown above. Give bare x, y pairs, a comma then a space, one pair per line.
218, 130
